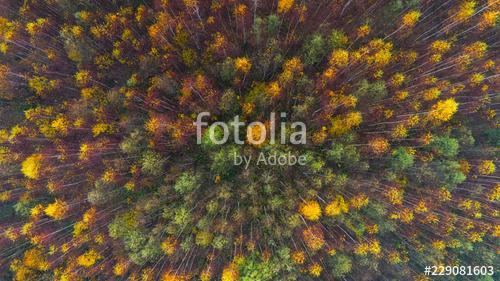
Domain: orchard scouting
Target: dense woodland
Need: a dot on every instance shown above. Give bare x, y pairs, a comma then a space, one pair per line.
101, 177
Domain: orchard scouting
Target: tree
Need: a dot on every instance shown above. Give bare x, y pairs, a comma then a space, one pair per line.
141, 247
152, 163
449, 173
187, 182
373, 92
343, 155
102, 193
223, 160
443, 110
314, 50
400, 159
259, 268
31, 166
134, 143
486, 167
341, 265
337, 207
310, 210
57, 210
337, 39
444, 146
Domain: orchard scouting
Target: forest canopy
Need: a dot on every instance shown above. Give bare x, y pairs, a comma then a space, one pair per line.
101, 177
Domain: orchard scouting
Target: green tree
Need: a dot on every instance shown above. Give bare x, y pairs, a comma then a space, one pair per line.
337, 39
401, 159
449, 173
152, 163
187, 182
373, 92
444, 146
278, 267
314, 50
223, 160
341, 265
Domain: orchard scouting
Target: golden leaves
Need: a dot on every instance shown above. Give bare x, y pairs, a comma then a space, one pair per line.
284, 6
57, 210
242, 64
31, 166
311, 210
411, 18
443, 110
337, 206
89, 258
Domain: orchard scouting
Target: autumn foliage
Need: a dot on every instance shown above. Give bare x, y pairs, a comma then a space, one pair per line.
101, 177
